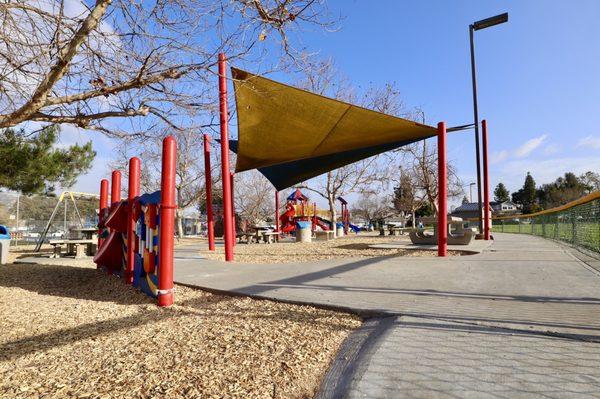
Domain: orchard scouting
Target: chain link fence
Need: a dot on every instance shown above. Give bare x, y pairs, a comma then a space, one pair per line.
577, 223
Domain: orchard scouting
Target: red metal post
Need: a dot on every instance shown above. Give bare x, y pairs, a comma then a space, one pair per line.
442, 228
277, 213
210, 221
314, 218
227, 208
167, 222
102, 208
486, 184
134, 191
115, 188
233, 225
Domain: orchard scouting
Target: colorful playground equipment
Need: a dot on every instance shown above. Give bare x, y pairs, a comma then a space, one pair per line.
334, 134
298, 209
135, 239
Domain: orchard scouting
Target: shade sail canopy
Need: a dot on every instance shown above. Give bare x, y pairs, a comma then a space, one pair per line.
291, 135
287, 174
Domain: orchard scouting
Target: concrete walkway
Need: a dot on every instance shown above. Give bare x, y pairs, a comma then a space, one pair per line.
521, 319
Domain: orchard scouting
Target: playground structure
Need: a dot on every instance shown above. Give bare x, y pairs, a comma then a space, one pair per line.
298, 208
136, 234
331, 139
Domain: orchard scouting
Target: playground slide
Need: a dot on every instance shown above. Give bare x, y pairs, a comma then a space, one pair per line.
287, 220
323, 223
354, 228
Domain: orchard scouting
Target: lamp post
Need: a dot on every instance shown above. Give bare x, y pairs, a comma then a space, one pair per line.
471, 191
479, 25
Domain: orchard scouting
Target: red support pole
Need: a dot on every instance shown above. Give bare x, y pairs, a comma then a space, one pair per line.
314, 224
277, 213
442, 228
210, 221
103, 208
227, 206
167, 222
134, 191
115, 188
233, 225
486, 184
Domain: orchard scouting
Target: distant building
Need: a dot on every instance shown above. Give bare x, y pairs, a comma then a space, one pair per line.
504, 208
470, 210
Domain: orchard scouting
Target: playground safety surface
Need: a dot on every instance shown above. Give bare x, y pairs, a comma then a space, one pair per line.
71, 331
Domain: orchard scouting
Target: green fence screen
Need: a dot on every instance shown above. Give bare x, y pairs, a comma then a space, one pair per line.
578, 225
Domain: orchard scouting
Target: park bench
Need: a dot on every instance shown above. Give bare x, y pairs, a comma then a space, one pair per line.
78, 248
324, 235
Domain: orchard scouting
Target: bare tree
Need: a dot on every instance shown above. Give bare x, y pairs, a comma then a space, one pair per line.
418, 178
66, 62
254, 197
373, 207
363, 176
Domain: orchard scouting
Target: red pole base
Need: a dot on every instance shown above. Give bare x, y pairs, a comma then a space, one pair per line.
166, 299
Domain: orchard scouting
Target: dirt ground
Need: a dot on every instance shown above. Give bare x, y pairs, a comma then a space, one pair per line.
73, 332
351, 246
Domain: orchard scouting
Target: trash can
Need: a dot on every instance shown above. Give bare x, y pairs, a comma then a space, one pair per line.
4, 244
339, 229
303, 231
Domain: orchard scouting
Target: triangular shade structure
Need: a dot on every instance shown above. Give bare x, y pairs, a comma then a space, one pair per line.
291, 135
287, 174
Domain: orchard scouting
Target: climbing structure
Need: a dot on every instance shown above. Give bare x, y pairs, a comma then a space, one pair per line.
136, 234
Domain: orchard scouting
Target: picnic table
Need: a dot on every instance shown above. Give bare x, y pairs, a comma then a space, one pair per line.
74, 247
87, 233
457, 233
264, 233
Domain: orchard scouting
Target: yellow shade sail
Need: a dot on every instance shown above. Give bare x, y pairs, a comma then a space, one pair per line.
279, 124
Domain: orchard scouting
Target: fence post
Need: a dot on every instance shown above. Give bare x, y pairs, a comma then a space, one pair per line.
574, 222
543, 227
134, 191
442, 228
167, 222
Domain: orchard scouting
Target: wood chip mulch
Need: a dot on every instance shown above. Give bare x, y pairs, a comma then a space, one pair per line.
73, 332
351, 246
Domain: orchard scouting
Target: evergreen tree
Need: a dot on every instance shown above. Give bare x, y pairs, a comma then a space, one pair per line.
529, 194
31, 164
501, 194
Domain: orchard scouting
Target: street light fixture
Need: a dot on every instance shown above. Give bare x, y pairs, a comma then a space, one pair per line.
482, 24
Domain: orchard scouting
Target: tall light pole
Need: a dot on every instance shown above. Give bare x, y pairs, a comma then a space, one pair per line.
471, 191
484, 23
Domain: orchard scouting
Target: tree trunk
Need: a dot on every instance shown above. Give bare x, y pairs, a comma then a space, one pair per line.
179, 222
333, 211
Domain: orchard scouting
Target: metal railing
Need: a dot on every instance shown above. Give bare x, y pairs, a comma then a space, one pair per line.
576, 223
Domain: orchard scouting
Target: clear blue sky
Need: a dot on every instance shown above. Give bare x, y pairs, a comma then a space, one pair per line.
538, 76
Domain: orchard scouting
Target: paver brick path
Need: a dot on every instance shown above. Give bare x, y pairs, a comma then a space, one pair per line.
521, 319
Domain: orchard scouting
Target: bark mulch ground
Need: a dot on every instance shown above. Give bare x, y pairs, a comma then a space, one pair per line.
71, 331
351, 246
